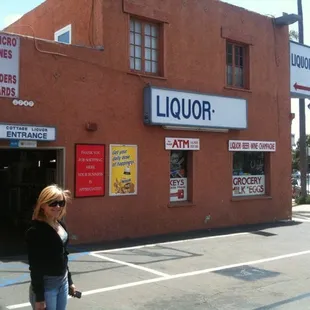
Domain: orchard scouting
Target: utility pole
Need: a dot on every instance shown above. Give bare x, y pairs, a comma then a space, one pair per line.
302, 116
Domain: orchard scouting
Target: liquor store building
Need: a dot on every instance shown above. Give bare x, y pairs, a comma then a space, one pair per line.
199, 139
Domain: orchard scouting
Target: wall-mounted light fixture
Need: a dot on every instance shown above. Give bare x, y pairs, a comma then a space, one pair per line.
89, 126
286, 19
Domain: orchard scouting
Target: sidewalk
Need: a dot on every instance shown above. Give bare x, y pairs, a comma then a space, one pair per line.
301, 212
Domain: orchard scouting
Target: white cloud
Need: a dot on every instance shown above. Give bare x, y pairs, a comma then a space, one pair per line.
10, 19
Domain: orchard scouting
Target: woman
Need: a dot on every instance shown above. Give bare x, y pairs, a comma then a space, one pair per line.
47, 240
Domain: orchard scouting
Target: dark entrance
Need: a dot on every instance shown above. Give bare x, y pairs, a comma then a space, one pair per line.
23, 174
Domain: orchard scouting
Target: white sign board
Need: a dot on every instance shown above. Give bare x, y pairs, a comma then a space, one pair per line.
251, 146
26, 132
188, 109
27, 144
178, 189
182, 144
300, 70
248, 185
9, 66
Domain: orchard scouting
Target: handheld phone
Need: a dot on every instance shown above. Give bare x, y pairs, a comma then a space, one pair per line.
77, 294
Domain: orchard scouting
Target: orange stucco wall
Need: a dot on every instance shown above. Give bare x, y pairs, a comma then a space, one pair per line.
87, 85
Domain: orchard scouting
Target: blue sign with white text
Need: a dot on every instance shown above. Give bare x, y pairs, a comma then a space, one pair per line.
14, 143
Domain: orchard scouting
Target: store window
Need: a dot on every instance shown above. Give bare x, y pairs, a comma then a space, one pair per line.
249, 173
178, 175
144, 47
236, 65
64, 35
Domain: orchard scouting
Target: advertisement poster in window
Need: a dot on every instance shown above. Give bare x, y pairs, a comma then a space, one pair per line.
89, 170
123, 170
178, 176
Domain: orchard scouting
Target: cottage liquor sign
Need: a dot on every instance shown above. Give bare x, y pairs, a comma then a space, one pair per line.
9, 66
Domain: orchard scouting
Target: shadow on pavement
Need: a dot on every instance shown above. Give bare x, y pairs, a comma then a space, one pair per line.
283, 302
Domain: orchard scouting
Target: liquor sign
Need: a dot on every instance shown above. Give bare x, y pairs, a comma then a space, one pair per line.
178, 189
182, 144
9, 66
169, 107
248, 185
89, 170
251, 146
300, 70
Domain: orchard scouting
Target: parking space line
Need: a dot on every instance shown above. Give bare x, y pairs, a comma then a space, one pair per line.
158, 273
170, 242
178, 276
301, 219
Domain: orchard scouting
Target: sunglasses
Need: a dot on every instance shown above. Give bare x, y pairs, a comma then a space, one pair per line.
60, 203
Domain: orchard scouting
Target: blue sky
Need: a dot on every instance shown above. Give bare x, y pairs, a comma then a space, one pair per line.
15, 8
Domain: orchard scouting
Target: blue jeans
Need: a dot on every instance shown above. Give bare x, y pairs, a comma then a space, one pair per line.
56, 293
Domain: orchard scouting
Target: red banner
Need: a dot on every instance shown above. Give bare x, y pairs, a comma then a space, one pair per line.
89, 170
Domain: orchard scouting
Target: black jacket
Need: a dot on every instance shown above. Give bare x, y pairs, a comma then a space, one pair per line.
47, 255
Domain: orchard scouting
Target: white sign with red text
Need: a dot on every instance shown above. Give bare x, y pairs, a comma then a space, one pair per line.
248, 185
251, 146
178, 189
182, 144
9, 66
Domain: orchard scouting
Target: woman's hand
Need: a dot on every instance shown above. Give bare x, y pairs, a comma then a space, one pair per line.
40, 305
72, 289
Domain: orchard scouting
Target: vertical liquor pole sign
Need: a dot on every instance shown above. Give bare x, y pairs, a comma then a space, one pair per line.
89, 170
9, 66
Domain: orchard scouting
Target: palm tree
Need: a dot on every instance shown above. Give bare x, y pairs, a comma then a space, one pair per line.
293, 34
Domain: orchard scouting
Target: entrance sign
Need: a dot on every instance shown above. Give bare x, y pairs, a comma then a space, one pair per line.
182, 144
89, 170
248, 185
251, 146
9, 66
27, 132
188, 109
300, 70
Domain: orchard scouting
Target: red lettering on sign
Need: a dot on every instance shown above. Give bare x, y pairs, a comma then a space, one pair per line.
8, 41
7, 78
180, 143
6, 91
5, 54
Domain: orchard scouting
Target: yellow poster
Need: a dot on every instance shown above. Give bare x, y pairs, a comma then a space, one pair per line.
123, 170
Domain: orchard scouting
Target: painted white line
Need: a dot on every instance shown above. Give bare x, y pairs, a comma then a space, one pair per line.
180, 275
158, 273
169, 242
26, 304
301, 219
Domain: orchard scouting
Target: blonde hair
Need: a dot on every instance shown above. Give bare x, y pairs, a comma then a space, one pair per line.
49, 194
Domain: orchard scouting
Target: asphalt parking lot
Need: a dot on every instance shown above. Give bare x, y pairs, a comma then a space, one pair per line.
260, 268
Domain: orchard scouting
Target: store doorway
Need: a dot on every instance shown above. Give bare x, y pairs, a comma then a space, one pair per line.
23, 174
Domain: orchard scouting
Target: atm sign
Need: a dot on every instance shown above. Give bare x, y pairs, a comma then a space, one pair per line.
182, 144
